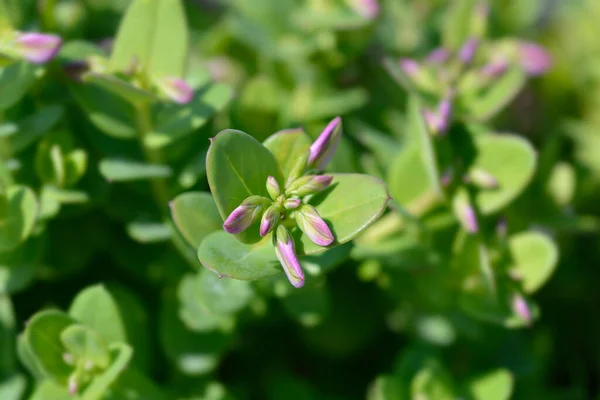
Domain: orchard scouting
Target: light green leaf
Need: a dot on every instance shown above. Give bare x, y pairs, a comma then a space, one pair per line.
349, 205
120, 87
195, 215
502, 91
13, 387
511, 160
123, 170
50, 390
238, 166
534, 258
147, 231
42, 336
153, 33
83, 343
17, 223
493, 385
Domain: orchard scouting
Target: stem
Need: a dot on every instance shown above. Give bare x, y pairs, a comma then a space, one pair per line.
160, 189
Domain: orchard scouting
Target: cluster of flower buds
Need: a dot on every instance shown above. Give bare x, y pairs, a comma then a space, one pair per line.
37, 48
287, 207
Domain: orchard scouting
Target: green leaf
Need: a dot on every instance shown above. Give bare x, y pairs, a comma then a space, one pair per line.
7, 335
222, 253
349, 205
153, 33
121, 354
432, 382
18, 222
83, 343
222, 296
176, 121
96, 308
17, 267
13, 387
288, 146
195, 215
124, 170
502, 91
534, 257
494, 385
42, 336
457, 25
238, 166
385, 387
120, 87
107, 111
30, 129
50, 390
147, 231
511, 160
15, 81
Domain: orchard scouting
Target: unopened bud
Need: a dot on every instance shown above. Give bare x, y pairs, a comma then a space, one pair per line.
286, 254
38, 48
438, 56
367, 8
310, 222
494, 69
73, 386
292, 204
439, 120
468, 50
322, 150
410, 67
176, 89
309, 184
521, 308
534, 59
273, 188
245, 214
269, 220
466, 215
482, 179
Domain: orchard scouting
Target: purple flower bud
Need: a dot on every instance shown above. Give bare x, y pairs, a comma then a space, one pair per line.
286, 254
292, 204
482, 179
438, 56
38, 48
521, 308
273, 188
466, 215
269, 220
73, 386
410, 67
367, 8
494, 69
322, 150
310, 222
438, 121
243, 216
176, 89
309, 184
468, 50
534, 59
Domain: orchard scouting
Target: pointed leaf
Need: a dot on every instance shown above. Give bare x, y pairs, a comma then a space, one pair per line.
15, 81
238, 166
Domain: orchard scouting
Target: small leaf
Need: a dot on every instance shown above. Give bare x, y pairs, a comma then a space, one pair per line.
124, 170
84, 343
146, 231
42, 336
121, 88
288, 146
222, 253
17, 267
493, 385
18, 222
535, 257
349, 205
238, 166
511, 160
153, 33
195, 215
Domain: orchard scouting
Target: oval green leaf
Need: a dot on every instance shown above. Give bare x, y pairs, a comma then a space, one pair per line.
19, 217
535, 257
195, 215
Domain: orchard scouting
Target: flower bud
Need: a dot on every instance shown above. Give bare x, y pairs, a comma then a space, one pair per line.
466, 215
322, 150
367, 8
438, 121
494, 69
438, 56
286, 254
269, 220
73, 386
176, 89
310, 222
534, 59
482, 179
292, 204
521, 308
468, 50
309, 184
273, 188
410, 67
38, 48
243, 216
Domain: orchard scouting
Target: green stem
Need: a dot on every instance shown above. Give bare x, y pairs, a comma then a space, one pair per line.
160, 189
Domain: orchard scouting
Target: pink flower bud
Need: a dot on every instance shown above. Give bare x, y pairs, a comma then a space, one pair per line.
273, 188
292, 204
438, 121
243, 216
466, 215
410, 67
38, 48
494, 69
322, 150
521, 308
310, 222
286, 254
269, 220
309, 184
176, 89
367, 8
438, 56
468, 50
534, 59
